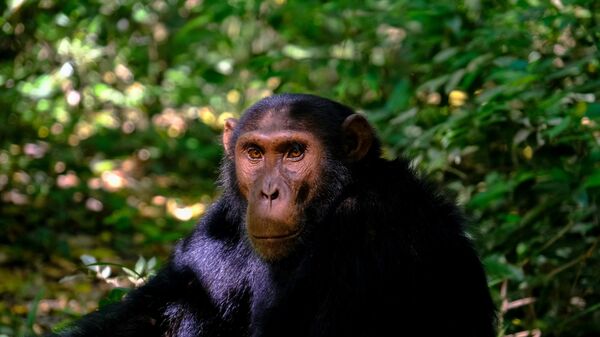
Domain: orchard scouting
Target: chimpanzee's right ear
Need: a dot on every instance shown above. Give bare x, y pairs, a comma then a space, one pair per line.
229, 126
359, 137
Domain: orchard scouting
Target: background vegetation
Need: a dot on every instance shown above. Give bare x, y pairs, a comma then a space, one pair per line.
111, 111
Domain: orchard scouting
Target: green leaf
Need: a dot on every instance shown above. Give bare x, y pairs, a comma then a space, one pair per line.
445, 54
560, 128
115, 295
592, 181
400, 96
493, 193
497, 268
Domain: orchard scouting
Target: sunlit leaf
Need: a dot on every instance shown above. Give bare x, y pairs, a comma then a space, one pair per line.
140, 265
105, 273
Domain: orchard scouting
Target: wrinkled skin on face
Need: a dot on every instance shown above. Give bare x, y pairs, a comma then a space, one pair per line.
278, 166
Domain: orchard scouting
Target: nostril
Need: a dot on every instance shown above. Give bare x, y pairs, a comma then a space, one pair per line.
270, 195
274, 195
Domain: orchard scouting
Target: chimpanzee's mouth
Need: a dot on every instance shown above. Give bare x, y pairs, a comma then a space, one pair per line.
275, 237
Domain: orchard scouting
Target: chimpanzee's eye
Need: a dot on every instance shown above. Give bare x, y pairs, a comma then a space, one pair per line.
254, 153
296, 152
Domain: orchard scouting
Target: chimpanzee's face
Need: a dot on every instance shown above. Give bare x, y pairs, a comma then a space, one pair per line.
280, 165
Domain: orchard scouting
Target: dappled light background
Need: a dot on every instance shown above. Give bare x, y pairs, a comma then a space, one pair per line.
111, 112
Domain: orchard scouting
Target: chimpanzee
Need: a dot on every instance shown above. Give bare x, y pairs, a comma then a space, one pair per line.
314, 235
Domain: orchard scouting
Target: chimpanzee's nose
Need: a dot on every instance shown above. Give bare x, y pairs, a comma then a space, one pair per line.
270, 192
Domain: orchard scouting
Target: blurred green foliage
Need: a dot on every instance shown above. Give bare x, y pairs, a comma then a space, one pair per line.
111, 112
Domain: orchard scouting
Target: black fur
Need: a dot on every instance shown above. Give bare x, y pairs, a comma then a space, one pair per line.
383, 255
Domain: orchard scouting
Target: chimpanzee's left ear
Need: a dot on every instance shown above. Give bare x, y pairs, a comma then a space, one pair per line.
359, 137
228, 127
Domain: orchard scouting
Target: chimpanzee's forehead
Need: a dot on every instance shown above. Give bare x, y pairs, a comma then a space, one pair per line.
275, 120
295, 112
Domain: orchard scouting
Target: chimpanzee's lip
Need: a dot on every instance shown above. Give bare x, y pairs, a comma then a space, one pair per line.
277, 237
